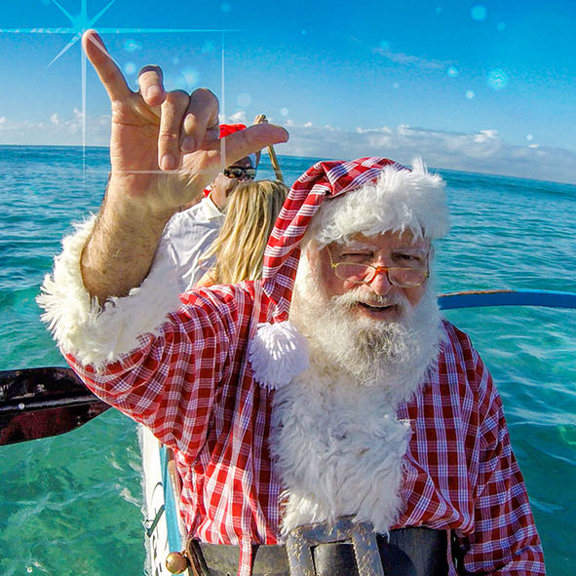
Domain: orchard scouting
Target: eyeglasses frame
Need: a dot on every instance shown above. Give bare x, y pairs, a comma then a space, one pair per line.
378, 270
247, 173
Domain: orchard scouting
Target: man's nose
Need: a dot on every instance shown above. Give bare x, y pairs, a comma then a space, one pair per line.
380, 284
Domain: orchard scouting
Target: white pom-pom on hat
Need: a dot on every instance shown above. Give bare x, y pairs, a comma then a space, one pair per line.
277, 353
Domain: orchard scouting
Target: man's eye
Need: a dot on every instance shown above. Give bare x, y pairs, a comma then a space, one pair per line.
409, 258
354, 257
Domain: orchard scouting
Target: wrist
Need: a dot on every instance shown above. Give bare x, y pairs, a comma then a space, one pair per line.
131, 200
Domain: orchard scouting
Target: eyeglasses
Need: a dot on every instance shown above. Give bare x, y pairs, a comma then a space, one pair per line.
240, 173
365, 273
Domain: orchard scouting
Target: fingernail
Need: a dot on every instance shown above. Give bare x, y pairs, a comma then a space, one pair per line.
168, 162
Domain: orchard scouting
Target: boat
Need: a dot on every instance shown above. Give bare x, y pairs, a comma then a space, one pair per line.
165, 532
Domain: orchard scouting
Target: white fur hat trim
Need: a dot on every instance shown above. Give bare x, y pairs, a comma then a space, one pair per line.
399, 200
277, 353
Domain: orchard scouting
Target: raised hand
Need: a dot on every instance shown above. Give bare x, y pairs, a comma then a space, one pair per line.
165, 146
164, 150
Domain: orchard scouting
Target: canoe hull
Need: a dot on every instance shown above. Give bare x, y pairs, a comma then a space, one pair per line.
165, 532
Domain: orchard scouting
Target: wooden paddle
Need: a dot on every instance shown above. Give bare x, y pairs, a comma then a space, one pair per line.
260, 119
42, 402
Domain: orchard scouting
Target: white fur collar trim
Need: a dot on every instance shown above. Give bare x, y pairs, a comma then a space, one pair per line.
277, 353
97, 335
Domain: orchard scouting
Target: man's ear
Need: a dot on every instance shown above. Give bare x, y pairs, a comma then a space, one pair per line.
311, 252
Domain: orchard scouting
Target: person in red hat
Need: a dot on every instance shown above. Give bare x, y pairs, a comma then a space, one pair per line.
191, 231
240, 171
328, 401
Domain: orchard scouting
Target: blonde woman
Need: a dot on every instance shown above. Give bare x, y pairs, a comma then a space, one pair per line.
249, 219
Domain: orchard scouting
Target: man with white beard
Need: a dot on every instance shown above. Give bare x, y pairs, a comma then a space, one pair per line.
370, 349
356, 413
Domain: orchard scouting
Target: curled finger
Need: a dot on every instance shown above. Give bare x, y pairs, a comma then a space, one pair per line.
172, 116
200, 128
151, 84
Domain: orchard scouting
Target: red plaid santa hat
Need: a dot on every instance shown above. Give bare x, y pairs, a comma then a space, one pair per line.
226, 129
376, 194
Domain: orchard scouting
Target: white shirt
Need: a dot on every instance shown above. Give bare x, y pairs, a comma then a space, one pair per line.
186, 238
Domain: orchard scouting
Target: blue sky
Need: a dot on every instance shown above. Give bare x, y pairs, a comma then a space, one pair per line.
487, 86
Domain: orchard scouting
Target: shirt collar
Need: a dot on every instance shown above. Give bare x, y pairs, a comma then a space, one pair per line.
210, 209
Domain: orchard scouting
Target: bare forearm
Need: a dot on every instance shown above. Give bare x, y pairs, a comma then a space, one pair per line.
121, 248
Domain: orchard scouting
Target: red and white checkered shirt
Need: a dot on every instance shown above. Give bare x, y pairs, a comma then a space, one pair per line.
191, 383
193, 386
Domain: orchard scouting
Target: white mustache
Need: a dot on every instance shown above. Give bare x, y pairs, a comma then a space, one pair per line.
351, 299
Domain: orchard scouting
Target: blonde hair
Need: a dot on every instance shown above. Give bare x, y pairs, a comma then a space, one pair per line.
249, 219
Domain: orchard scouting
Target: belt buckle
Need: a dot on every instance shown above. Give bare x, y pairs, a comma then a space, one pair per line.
300, 541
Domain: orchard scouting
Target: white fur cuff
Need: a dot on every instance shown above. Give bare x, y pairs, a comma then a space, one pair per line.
277, 353
97, 335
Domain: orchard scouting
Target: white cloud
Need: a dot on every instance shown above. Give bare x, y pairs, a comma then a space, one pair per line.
57, 130
236, 118
485, 136
410, 60
484, 151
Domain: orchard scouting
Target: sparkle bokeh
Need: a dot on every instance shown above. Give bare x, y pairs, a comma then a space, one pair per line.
435, 65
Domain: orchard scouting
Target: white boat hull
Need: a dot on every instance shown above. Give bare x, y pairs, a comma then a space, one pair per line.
164, 529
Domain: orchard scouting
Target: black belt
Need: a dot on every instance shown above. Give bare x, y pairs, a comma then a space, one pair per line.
406, 552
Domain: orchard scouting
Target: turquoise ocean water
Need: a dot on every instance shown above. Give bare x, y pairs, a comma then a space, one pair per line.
71, 505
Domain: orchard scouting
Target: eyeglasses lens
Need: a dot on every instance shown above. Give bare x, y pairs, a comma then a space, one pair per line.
360, 273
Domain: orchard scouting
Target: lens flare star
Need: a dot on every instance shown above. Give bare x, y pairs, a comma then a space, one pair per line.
79, 24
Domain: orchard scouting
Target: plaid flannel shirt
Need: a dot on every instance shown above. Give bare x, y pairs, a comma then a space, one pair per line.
193, 386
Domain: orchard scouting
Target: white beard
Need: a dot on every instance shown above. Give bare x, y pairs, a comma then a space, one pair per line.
337, 442
392, 356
